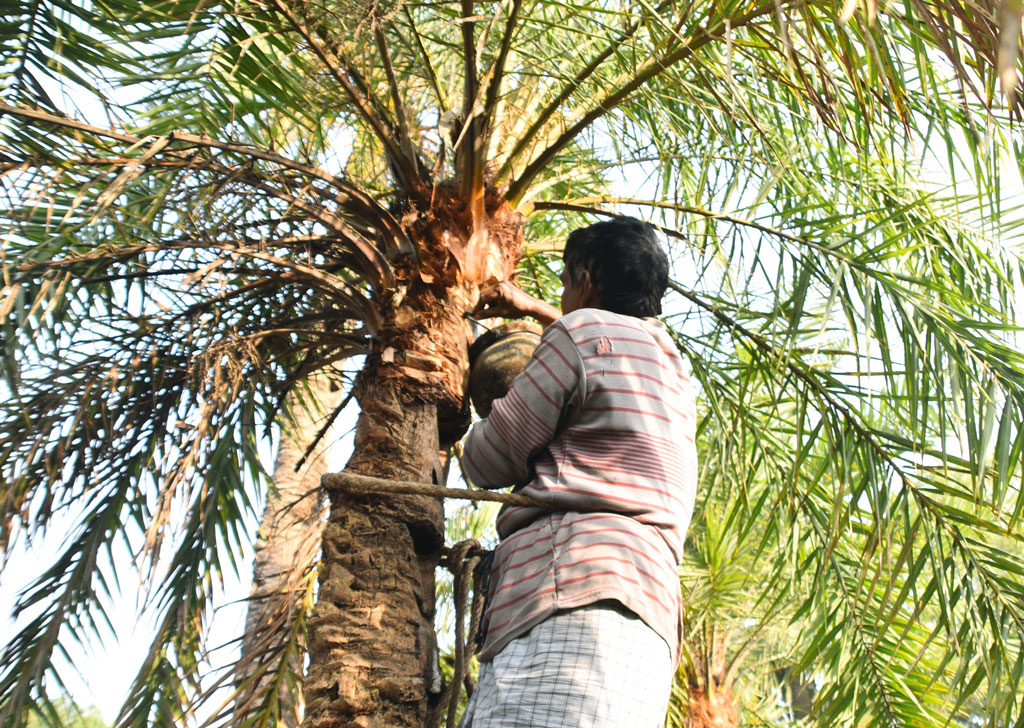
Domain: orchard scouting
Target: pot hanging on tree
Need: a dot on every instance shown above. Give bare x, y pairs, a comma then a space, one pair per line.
496, 358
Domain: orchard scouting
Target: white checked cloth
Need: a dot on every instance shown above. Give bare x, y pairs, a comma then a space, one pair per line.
598, 666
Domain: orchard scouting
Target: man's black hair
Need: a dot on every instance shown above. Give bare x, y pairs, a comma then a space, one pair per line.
626, 263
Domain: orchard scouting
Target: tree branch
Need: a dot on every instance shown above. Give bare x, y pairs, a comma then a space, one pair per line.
468, 149
348, 194
405, 166
653, 67
367, 485
404, 137
497, 73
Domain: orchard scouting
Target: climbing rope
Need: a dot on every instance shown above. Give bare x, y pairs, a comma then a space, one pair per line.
367, 485
462, 560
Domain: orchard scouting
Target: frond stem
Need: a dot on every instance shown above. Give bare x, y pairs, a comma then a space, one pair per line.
493, 90
404, 137
653, 67
581, 204
347, 192
468, 148
431, 74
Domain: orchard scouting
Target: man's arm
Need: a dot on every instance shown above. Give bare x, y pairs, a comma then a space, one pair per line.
509, 301
499, 449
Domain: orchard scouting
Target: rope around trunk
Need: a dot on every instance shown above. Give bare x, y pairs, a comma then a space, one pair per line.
367, 485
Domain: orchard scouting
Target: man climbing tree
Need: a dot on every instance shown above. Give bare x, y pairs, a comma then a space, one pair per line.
583, 623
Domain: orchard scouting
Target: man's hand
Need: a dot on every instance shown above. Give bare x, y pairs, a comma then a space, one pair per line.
509, 301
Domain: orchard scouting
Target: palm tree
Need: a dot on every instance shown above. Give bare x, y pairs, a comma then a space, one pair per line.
286, 553
296, 183
68, 714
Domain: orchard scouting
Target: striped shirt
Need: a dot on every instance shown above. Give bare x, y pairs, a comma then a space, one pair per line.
601, 425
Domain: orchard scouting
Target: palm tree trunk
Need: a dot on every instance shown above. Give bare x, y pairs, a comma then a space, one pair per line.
712, 703
373, 656
712, 709
289, 541
372, 648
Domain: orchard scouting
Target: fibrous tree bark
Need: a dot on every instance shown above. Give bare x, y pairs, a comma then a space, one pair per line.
373, 658
286, 553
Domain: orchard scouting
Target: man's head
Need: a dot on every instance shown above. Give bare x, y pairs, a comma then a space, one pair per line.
617, 265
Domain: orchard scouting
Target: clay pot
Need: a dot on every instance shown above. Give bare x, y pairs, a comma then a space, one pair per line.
496, 358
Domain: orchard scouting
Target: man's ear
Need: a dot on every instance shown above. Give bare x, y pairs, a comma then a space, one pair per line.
589, 296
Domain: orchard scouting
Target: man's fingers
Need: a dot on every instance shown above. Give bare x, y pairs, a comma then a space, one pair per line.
491, 298
503, 299
495, 310
483, 306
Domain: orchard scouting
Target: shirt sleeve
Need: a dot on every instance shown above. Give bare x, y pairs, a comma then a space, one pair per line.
499, 449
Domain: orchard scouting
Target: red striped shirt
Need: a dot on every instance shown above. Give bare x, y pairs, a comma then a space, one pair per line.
601, 425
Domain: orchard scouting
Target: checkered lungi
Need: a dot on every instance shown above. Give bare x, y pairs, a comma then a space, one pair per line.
592, 667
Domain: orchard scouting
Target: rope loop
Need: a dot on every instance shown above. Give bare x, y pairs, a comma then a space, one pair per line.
462, 561
368, 485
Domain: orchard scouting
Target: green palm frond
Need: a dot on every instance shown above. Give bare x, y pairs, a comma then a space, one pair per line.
64, 42
842, 416
175, 310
